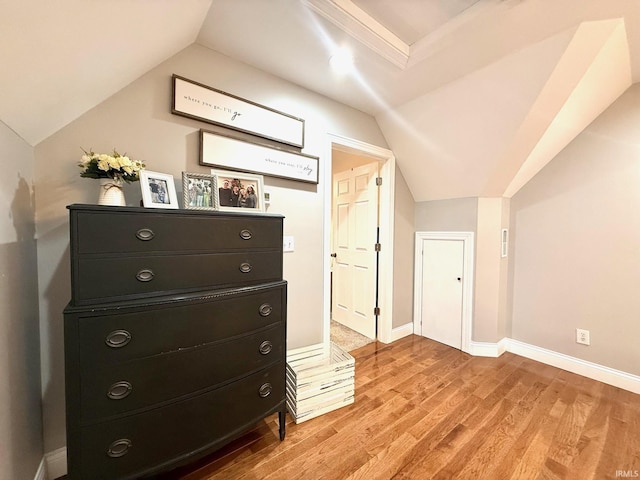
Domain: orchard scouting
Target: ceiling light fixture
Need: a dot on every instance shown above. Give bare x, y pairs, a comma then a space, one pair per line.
341, 61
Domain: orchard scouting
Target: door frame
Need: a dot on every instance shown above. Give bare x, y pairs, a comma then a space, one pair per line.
385, 267
467, 286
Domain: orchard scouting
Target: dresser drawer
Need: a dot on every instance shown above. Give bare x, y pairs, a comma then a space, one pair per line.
140, 383
134, 445
118, 232
100, 280
125, 333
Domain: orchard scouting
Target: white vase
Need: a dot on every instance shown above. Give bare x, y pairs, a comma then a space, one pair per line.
111, 192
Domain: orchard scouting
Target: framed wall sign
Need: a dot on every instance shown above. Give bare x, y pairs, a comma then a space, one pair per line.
228, 152
194, 100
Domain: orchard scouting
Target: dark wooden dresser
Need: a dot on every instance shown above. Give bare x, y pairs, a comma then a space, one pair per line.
175, 336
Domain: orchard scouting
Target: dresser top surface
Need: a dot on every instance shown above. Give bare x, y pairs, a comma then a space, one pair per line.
81, 207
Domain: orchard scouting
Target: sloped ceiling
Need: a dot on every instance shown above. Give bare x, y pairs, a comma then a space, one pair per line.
473, 96
62, 58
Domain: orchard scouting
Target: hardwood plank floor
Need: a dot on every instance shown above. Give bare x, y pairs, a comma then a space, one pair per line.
427, 411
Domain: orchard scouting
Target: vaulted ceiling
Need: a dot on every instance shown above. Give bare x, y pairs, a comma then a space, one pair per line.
473, 96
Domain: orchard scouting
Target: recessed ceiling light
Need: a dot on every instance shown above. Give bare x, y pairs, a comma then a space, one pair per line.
341, 61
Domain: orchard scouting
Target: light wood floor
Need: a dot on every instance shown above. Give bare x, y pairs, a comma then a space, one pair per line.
426, 411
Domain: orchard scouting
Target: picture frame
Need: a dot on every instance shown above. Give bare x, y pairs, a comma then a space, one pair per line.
233, 202
229, 152
158, 190
197, 191
201, 102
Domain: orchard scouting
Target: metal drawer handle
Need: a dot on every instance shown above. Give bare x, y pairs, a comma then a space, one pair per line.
265, 390
145, 275
119, 448
145, 234
246, 234
118, 338
265, 310
266, 347
245, 267
119, 390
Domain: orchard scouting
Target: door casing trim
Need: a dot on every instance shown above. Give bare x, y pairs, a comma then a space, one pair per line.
467, 285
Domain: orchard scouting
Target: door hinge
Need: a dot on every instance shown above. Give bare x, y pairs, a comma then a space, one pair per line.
376, 311
378, 181
378, 247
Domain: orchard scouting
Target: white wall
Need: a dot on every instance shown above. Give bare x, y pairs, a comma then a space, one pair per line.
21, 446
138, 120
575, 237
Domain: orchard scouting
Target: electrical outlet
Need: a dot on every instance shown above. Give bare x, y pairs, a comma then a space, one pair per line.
583, 337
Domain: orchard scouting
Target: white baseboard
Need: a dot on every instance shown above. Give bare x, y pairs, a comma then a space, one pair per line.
486, 349
56, 463
617, 378
41, 473
401, 332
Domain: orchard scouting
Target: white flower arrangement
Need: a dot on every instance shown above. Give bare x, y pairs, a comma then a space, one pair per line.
115, 166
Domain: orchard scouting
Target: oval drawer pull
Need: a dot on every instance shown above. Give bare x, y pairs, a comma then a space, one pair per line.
246, 234
119, 390
118, 338
145, 234
265, 390
145, 275
245, 267
266, 347
265, 310
119, 448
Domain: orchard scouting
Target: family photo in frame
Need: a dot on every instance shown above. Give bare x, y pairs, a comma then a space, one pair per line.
237, 190
198, 191
158, 190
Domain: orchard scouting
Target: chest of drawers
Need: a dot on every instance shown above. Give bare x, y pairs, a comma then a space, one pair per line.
175, 336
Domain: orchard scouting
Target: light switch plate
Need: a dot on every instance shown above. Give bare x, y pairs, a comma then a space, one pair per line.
287, 244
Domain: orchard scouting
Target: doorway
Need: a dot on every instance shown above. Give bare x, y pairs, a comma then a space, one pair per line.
337, 145
354, 235
443, 288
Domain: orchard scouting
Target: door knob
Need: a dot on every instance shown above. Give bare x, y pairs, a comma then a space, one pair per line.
334, 255
459, 279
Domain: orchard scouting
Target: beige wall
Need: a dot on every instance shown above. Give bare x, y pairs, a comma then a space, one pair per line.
21, 447
138, 120
575, 255
488, 323
455, 215
504, 324
403, 252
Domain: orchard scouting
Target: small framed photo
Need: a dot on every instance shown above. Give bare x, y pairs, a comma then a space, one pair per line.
236, 191
158, 190
197, 190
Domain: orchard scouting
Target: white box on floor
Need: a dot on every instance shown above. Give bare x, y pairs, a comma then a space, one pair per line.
319, 379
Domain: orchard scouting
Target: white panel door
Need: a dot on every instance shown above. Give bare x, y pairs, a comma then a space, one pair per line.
355, 221
442, 280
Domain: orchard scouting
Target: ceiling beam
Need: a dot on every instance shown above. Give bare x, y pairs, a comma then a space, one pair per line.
363, 27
